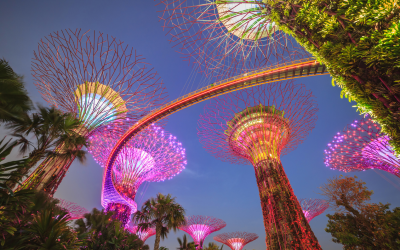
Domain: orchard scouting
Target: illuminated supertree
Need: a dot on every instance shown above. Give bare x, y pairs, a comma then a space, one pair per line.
226, 38
143, 235
96, 77
236, 240
75, 211
256, 126
313, 207
361, 146
153, 155
199, 227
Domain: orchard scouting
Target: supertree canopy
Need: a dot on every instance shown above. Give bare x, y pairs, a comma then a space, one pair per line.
313, 207
256, 126
361, 146
143, 235
98, 78
75, 211
226, 38
152, 155
236, 240
199, 227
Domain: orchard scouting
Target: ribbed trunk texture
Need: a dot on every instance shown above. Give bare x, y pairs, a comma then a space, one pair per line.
158, 237
48, 175
285, 224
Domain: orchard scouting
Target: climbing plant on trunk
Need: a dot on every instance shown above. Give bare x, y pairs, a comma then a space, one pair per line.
358, 41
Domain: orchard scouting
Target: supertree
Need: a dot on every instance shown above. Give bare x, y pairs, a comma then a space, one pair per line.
256, 126
236, 240
96, 77
226, 38
361, 146
74, 210
153, 155
313, 207
143, 235
199, 227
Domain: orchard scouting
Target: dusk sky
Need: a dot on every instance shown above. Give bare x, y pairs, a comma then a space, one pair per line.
207, 186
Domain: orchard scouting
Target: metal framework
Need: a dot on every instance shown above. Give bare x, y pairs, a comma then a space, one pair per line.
74, 210
143, 235
361, 146
199, 227
226, 38
236, 240
96, 77
300, 68
313, 207
256, 126
154, 155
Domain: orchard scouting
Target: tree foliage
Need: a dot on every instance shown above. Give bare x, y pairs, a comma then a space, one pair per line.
104, 233
358, 41
185, 245
14, 99
358, 224
161, 212
50, 129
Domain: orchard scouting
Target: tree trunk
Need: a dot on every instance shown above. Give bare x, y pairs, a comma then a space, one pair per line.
158, 236
285, 224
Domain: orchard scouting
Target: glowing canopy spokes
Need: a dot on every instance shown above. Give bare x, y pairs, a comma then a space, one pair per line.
227, 38
199, 227
74, 210
236, 240
313, 207
143, 235
361, 146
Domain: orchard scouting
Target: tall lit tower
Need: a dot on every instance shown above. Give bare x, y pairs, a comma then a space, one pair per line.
236, 240
361, 146
98, 78
226, 38
256, 126
153, 155
74, 210
199, 227
143, 235
313, 207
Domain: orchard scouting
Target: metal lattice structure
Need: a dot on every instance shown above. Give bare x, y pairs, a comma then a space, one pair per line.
227, 38
361, 146
154, 155
96, 77
143, 235
256, 126
313, 207
74, 210
236, 240
199, 227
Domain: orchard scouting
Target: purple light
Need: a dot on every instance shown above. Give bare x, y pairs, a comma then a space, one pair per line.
362, 146
147, 157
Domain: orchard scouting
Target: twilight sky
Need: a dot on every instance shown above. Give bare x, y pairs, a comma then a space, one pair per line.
208, 186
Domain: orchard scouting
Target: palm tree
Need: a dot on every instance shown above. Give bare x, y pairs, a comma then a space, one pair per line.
14, 99
184, 245
51, 128
163, 213
213, 246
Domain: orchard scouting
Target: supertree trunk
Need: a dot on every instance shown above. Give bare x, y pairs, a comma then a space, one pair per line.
285, 224
49, 174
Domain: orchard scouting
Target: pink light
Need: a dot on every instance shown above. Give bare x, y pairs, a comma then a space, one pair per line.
143, 235
236, 243
199, 227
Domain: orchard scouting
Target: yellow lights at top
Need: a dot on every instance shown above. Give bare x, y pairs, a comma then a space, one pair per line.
245, 19
98, 104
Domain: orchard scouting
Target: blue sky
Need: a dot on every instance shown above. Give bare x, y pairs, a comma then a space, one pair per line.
208, 186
